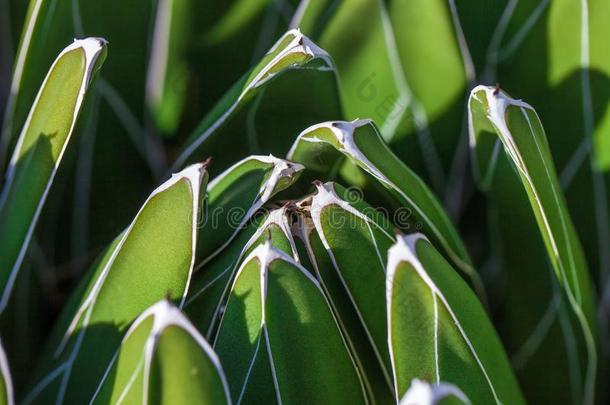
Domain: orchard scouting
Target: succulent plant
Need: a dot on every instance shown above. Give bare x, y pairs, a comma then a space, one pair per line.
304, 202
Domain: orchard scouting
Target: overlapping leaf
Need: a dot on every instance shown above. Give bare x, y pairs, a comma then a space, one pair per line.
153, 258
278, 333
237, 194
43, 141
560, 321
438, 330
346, 244
163, 360
320, 147
213, 281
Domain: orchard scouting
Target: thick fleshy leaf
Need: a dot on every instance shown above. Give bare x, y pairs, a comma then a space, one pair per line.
278, 339
570, 87
346, 242
536, 234
116, 155
438, 330
163, 360
291, 87
153, 258
320, 147
413, 89
212, 282
40, 148
236, 195
190, 68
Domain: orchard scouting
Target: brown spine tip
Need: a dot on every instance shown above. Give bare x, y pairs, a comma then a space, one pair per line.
207, 162
497, 89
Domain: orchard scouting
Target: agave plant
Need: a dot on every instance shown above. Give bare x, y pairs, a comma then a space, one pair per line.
304, 202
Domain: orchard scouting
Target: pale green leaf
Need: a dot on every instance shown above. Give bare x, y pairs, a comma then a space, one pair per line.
40, 148
153, 258
163, 360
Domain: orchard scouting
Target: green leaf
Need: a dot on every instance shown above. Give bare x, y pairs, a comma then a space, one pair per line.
413, 89
320, 148
163, 360
570, 79
99, 198
291, 87
153, 258
167, 78
212, 28
6, 382
568, 323
39, 151
346, 242
212, 283
438, 330
236, 195
278, 339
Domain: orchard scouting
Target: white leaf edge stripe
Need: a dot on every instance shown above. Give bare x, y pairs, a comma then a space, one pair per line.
164, 314
278, 217
92, 48
404, 250
498, 102
266, 254
193, 175
299, 44
160, 44
6, 376
22, 54
280, 169
424, 393
326, 196
344, 133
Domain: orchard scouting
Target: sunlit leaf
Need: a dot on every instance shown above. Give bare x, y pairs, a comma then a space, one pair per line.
153, 258
519, 173
39, 151
163, 360
291, 87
